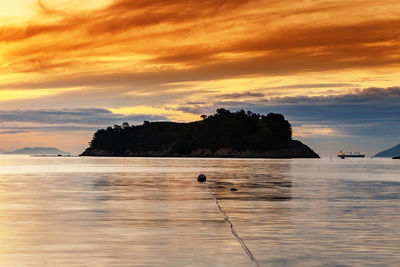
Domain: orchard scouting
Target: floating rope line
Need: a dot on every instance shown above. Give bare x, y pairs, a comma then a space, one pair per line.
227, 220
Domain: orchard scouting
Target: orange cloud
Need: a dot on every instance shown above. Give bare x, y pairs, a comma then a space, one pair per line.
188, 41
157, 55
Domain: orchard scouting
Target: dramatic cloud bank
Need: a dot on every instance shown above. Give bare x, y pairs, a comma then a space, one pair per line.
51, 126
368, 114
178, 59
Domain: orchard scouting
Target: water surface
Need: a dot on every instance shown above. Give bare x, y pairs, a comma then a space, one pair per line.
152, 212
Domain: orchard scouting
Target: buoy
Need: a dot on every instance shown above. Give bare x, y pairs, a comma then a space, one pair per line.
201, 178
234, 189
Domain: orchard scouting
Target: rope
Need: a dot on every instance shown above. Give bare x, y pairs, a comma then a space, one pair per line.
227, 220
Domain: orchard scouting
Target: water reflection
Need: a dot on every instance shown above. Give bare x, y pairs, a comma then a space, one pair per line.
376, 190
253, 186
153, 212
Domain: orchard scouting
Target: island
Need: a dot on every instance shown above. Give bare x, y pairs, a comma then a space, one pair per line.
389, 153
229, 134
37, 151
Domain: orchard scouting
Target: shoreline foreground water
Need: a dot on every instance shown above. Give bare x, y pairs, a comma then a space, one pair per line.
102, 211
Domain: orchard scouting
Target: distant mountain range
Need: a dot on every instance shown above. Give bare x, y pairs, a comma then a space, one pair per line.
389, 153
37, 151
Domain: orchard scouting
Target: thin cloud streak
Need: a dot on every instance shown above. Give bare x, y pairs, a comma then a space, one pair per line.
93, 117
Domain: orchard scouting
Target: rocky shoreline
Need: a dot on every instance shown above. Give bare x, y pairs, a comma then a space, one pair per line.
295, 149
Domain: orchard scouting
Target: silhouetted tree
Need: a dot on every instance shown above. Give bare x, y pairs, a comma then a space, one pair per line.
239, 130
125, 125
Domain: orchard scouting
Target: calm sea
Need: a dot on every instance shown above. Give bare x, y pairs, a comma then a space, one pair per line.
153, 212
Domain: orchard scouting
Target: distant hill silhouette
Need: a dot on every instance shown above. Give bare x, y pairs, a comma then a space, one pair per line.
389, 153
224, 134
37, 151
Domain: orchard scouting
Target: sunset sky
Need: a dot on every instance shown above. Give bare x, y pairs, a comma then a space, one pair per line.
69, 67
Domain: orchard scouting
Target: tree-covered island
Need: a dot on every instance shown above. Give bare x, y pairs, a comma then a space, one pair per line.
224, 134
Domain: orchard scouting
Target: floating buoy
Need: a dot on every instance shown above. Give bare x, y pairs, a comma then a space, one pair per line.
201, 178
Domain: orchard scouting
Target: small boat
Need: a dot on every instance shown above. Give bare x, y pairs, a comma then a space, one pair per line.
344, 155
